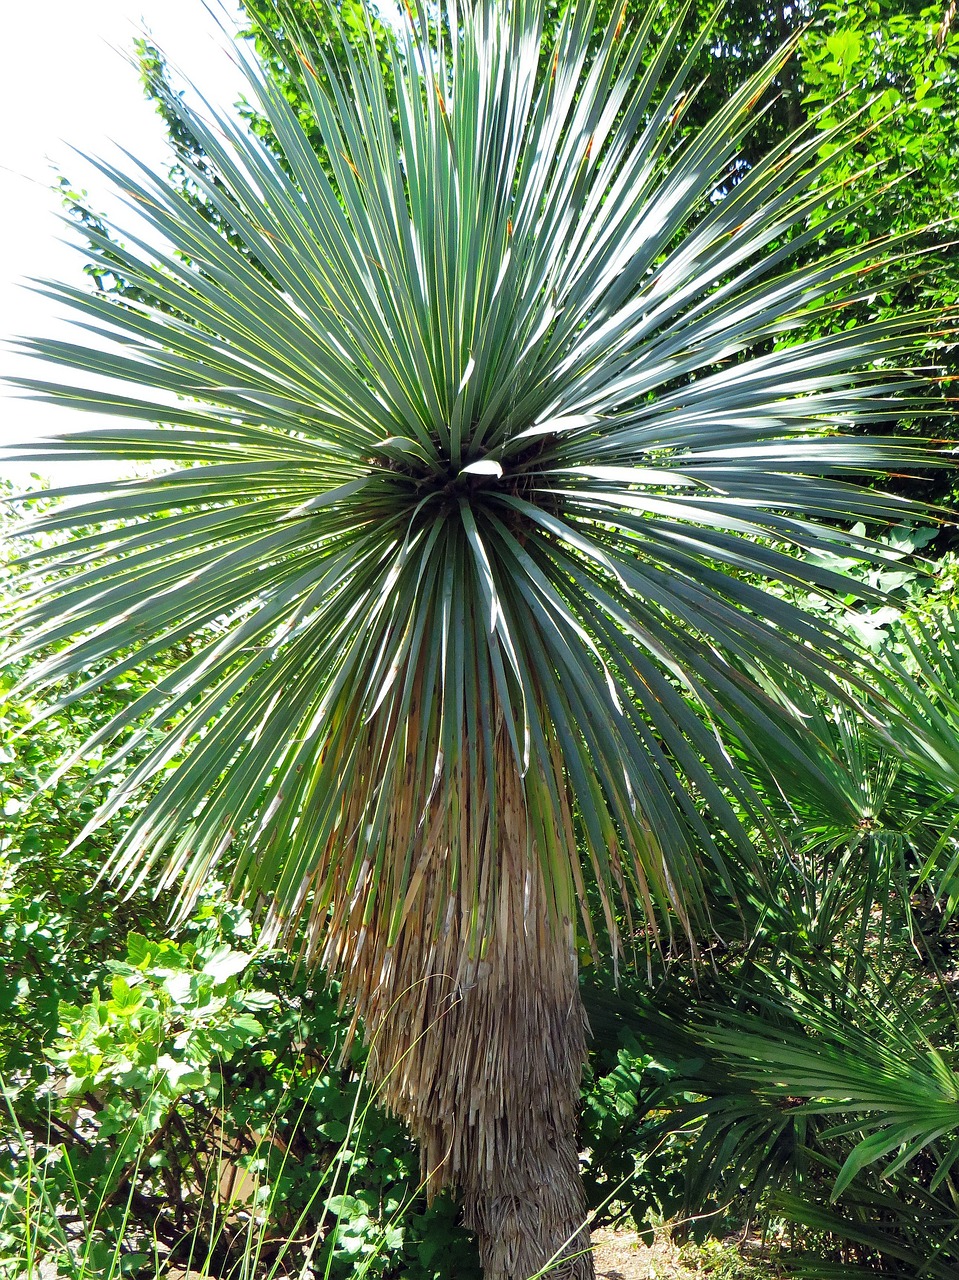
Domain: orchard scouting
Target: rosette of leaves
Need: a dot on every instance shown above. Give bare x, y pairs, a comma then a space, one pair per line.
480, 449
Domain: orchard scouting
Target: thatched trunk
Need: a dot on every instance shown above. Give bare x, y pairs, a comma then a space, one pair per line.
477, 1032
523, 1195
491, 1091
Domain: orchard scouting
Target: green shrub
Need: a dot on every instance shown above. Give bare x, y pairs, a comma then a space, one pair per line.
196, 1108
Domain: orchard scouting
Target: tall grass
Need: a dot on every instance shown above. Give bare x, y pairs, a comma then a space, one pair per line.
37, 1225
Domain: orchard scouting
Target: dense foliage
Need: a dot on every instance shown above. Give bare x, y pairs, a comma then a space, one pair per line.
894, 64
806, 1064
821, 1056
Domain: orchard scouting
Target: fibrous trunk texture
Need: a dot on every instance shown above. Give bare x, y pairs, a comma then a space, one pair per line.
490, 1086
476, 1027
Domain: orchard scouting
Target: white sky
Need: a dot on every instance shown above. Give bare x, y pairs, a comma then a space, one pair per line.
65, 81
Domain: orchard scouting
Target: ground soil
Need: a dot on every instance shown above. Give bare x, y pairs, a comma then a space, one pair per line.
622, 1255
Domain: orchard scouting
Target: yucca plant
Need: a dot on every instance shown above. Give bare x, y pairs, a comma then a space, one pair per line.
482, 431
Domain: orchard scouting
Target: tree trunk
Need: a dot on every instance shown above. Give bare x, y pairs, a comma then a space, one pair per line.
477, 1032
504, 1104
490, 1088
531, 1215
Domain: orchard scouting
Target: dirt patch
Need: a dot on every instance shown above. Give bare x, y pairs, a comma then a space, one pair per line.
622, 1255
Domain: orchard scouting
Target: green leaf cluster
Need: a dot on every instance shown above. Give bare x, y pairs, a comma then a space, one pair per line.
195, 1109
473, 489
174, 1013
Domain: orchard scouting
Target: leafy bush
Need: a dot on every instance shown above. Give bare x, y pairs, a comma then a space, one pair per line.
635, 1152
196, 1109
58, 925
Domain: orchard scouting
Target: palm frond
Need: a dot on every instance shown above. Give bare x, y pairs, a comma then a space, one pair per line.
883, 1071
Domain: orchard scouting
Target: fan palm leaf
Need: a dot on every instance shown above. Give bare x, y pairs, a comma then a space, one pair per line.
830, 1098
900, 1089
865, 829
482, 437
924, 689
867, 1090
